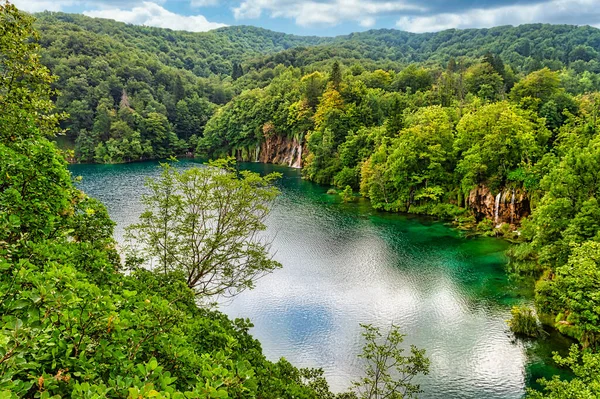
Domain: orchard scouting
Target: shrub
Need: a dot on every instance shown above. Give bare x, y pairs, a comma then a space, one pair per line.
524, 322
347, 195
486, 227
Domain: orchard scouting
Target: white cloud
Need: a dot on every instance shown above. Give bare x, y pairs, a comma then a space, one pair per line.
367, 22
332, 12
62, 5
553, 11
411, 15
203, 3
152, 14
41, 5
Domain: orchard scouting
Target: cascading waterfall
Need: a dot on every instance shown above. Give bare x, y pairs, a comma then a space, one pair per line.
257, 153
297, 162
292, 153
512, 207
497, 207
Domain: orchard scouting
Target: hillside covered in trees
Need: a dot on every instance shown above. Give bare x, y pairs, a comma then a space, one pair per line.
493, 129
141, 93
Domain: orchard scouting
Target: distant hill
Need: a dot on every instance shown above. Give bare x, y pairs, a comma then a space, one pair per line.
202, 53
525, 47
152, 90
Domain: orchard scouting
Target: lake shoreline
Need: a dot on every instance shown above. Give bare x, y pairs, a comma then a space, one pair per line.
450, 294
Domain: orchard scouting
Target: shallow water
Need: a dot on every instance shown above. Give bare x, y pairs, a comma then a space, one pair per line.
346, 264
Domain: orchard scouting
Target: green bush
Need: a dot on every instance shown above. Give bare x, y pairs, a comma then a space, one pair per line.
524, 322
523, 260
486, 227
347, 195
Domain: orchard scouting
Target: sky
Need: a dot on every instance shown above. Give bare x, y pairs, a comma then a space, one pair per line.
329, 17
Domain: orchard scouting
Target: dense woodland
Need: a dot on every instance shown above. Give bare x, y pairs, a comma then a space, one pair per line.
433, 123
140, 93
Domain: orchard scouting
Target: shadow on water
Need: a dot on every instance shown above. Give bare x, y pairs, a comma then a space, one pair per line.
346, 264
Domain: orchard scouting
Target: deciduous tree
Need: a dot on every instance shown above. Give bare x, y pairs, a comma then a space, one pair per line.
207, 222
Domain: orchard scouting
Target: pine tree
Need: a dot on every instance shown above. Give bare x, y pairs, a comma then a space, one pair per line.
237, 71
336, 75
451, 65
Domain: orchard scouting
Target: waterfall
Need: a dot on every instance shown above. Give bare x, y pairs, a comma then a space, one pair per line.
298, 162
291, 160
512, 207
256, 153
497, 206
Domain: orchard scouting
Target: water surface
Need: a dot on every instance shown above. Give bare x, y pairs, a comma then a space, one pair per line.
346, 264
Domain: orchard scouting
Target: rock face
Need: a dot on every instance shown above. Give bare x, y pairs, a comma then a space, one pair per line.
506, 206
276, 149
282, 151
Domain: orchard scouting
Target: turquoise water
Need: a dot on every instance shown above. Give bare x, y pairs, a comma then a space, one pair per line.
345, 264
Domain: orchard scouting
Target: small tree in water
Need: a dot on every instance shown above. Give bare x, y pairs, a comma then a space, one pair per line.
388, 372
524, 322
347, 195
206, 222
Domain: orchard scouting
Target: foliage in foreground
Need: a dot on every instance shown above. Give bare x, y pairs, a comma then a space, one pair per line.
585, 385
388, 371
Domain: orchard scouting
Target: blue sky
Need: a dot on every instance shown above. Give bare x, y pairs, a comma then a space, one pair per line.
329, 17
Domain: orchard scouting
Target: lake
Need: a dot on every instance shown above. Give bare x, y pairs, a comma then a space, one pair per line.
346, 264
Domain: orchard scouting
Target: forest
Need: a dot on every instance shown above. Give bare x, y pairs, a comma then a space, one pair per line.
137, 93
494, 130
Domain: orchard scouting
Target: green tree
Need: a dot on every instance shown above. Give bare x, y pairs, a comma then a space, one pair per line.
573, 294
495, 140
484, 81
335, 77
524, 322
207, 223
25, 90
585, 385
237, 71
416, 166
388, 371
35, 188
568, 212
347, 195
413, 78
541, 85
312, 87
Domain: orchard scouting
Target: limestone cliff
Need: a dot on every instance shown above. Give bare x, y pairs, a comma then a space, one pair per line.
276, 149
282, 151
506, 206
